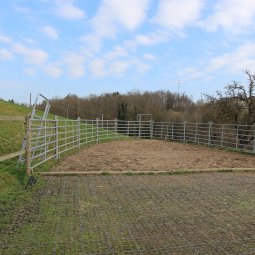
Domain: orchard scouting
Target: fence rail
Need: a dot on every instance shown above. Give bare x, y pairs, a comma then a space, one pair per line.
49, 138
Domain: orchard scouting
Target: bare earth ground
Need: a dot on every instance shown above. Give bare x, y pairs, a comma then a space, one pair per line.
188, 214
152, 155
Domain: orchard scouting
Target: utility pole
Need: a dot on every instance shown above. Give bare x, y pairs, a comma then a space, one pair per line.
178, 96
178, 85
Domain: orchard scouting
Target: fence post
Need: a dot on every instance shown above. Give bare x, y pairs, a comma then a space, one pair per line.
209, 132
184, 131
172, 131
151, 129
45, 139
128, 128
28, 145
115, 127
56, 137
79, 132
161, 130
222, 135
237, 140
139, 128
97, 138
254, 139
196, 132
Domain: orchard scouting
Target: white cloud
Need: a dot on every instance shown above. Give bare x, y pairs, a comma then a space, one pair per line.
23, 10
30, 71
67, 10
190, 73
5, 54
50, 32
149, 57
238, 60
118, 51
32, 56
128, 14
139, 66
92, 43
233, 62
76, 71
73, 58
53, 70
118, 68
29, 40
174, 14
145, 40
231, 15
151, 39
75, 64
97, 68
5, 39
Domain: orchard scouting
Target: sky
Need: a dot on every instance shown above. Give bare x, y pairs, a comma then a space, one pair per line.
85, 47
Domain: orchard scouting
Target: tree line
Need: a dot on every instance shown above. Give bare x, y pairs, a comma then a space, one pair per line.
163, 105
235, 105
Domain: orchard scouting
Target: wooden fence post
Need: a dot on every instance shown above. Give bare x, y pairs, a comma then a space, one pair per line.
28, 145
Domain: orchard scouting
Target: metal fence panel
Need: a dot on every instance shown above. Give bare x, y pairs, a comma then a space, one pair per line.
51, 138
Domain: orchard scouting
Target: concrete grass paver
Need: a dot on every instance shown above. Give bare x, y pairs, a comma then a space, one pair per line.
212, 213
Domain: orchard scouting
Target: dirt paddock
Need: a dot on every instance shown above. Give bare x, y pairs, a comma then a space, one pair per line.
152, 155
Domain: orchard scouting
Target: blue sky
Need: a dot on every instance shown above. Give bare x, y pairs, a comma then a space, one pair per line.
84, 47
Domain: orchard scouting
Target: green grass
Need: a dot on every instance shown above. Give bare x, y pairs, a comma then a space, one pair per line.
12, 179
12, 176
11, 109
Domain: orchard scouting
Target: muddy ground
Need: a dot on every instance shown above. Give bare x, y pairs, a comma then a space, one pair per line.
152, 155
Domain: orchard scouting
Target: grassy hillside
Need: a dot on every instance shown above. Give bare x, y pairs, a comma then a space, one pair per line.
11, 134
11, 109
13, 177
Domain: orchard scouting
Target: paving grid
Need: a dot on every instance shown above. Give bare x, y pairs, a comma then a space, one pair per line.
142, 214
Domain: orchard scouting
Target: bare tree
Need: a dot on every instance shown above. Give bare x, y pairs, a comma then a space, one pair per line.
235, 105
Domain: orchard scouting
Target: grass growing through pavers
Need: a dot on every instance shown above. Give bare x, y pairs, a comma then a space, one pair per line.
14, 199
141, 214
